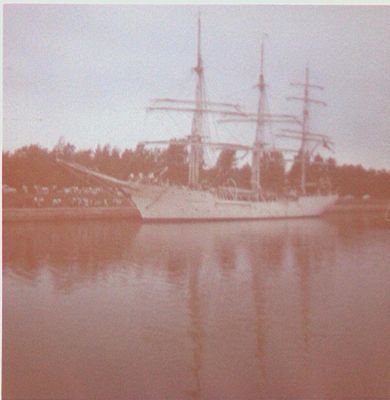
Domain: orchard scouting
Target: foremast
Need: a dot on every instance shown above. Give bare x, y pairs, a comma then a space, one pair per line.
258, 145
198, 108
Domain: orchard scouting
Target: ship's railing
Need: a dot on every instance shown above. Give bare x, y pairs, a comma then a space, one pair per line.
234, 193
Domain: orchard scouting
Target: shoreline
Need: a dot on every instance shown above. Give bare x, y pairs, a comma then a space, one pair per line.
131, 213
380, 206
68, 213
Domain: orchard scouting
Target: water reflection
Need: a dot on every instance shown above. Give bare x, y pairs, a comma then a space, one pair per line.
196, 327
224, 310
73, 253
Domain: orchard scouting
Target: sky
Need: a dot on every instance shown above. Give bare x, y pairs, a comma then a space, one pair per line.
87, 72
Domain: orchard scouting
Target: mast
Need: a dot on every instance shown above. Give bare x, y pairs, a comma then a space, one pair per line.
305, 134
197, 120
259, 138
198, 108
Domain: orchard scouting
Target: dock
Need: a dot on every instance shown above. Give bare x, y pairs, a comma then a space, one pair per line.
68, 213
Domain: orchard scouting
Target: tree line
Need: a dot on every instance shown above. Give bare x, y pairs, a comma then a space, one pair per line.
34, 165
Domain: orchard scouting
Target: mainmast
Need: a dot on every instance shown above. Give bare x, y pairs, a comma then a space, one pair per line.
261, 119
259, 138
305, 134
197, 121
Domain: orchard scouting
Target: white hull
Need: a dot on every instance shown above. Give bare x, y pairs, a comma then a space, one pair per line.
170, 203
159, 203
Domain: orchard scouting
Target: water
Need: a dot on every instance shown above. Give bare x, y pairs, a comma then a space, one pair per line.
295, 309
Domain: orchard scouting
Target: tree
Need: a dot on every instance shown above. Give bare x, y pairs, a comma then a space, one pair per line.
295, 173
33, 165
242, 176
272, 172
176, 160
224, 167
63, 150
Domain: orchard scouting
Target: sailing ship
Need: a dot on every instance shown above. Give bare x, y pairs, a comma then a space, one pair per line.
162, 201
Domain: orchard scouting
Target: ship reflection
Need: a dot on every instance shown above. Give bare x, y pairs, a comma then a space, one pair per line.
72, 252
243, 284
263, 252
196, 328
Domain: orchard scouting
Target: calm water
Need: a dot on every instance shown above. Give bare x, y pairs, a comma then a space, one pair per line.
294, 309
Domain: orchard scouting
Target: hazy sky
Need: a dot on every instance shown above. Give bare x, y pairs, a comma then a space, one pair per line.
88, 72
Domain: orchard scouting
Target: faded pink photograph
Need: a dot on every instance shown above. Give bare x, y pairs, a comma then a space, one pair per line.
196, 202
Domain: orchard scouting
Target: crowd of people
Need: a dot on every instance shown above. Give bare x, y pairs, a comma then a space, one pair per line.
74, 196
